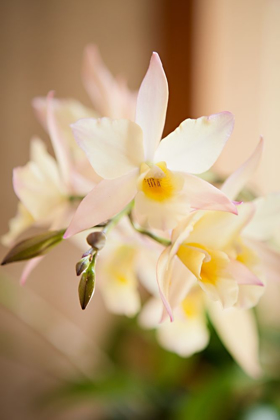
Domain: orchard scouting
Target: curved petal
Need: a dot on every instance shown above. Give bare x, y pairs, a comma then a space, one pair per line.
110, 97
60, 147
37, 184
243, 275
151, 106
196, 144
238, 331
270, 260
113, 147
217, 230
204, 196
105, 200
237, 181
174, 281
266, 220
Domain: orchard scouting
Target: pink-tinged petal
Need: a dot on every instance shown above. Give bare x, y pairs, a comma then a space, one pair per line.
203, 196
270, 260
151, 106
265, 225
99, 82
113, 147
61, 149
229, 226
196, 144
238, 331
105, 200
237, 181
243, 275
164, 271
174, 281
29, 267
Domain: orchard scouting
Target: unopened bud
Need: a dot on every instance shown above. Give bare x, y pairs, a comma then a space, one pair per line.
96, 240
86, 288
81, 266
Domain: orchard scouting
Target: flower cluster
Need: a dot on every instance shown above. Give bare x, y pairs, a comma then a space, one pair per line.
150, 219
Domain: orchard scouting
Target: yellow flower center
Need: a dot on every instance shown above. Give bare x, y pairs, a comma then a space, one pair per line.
158, 183
206, 264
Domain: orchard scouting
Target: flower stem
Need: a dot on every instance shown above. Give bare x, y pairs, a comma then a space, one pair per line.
159, 239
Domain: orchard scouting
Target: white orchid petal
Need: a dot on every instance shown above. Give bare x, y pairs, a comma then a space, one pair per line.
151, 106
266, 221
238, 180
238, 331
38, 185
105, 200
270, 260
242, 274
113, 147
59, 143
184, 337
202, 195
227, 225
196, 144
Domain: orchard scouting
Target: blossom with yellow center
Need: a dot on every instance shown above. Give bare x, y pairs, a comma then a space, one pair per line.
135, 164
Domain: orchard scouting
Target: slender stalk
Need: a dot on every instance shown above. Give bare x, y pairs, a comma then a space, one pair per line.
115, 220
160, 240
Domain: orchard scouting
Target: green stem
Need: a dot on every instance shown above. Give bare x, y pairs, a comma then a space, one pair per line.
160, 240
115, 220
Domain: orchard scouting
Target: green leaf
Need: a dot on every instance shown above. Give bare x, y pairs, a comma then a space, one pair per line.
33, 247
86, 287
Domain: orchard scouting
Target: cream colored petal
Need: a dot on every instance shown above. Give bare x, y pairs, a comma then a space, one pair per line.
217, 230
17, 225
204, 196
37, 184
105, 200
238, 331
151, 106
270, 260
238, 180
196, 144
266, 221
110, 97
184, 336
113, 147
162, 215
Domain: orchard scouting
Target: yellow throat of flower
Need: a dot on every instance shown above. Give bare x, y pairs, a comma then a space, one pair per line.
159, 183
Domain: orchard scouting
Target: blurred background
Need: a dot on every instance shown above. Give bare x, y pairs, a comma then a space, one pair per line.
218, 55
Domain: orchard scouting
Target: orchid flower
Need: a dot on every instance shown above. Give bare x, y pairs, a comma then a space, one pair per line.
133, 163
188, 334
211, 247
48, 189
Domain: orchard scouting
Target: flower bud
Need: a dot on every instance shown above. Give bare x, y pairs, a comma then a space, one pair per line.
86, 287
96, 240
81, 266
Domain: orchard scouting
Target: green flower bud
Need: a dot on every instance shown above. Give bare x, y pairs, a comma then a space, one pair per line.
82, 265
86, 287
